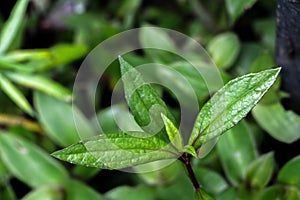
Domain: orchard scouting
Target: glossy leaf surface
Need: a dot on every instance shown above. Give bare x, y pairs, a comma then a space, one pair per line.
117, 150
230, 104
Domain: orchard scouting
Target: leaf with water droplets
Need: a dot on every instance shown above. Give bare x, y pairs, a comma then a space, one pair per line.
117, 150
230, 104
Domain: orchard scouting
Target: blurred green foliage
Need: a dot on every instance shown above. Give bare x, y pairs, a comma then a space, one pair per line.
41, 47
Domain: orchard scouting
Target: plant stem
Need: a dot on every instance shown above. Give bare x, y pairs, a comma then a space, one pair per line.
186, 160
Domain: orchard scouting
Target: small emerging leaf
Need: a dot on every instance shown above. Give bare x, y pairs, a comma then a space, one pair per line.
173, 133
230, 104
117, 150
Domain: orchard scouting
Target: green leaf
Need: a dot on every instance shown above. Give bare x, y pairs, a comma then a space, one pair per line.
56, 117
270, 193
76, 190
144, 102
276, 120
173, 133
262, 62
266, 29
66, 53
41, 83
22, 55
29, 163
237, 150
10, 65
12, 25
236, 8
228, 194
117, 150
280, 192
15, 95
190, 150
211, 181
116, 117
157, 44
259, 172
202, 195
230, 104
224, 49
45, 193
181, 188
132, 193
289, 172
159, 173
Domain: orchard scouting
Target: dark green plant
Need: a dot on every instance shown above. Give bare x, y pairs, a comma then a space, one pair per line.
121, 150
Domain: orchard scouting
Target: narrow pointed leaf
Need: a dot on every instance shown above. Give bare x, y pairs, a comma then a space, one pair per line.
173, 133
144, 102
15, 95
41, 83
117, 150
12, 25
230, 104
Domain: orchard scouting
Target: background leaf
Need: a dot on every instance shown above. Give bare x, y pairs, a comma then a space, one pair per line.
12, 25
288, 173
236, 8
224, 49
15, 95
259, 172
41, 83
57, 119
211, 181
76, 190
29, 163
173, 133
237, 150
275, 120
45, 193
